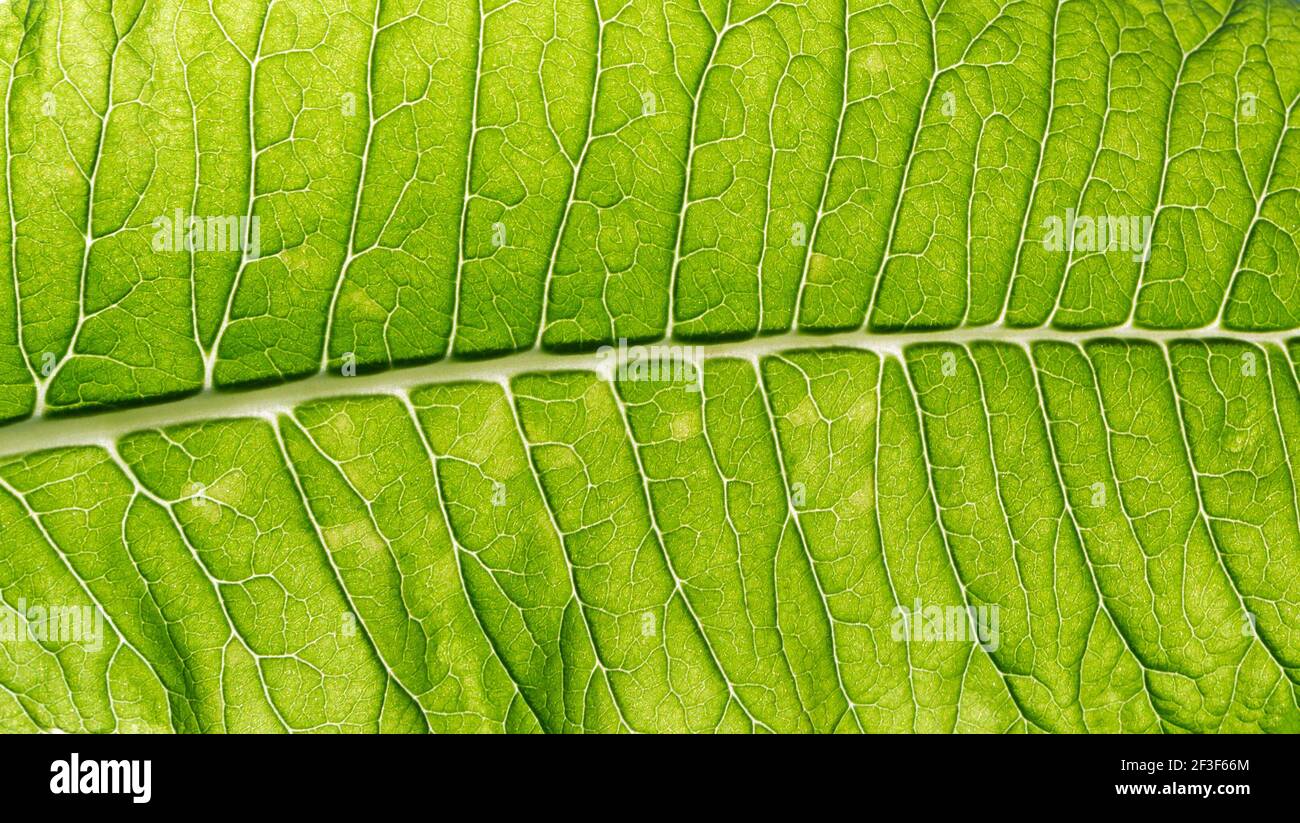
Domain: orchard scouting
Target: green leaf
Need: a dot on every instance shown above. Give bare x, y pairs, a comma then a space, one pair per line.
650, 366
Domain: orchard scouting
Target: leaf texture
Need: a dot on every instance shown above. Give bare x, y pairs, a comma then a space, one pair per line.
386, 182
937, 472
560, 552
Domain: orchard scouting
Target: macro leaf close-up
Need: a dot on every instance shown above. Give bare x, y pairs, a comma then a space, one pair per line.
650, 366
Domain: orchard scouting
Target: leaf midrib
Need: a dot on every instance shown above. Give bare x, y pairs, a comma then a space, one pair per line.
61, 429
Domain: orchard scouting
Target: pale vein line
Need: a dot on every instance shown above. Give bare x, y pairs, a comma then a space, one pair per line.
1164, 154
674, 270
570, 197
535, 473
166, 506
457, 549
793, 516
461, 262
329, 555
36, 521
678, 586
357, 194
943, 532
826, 181
210, 358
1068, 510
51, 430
1235, 275
892, 231
880, 542
1205, 518
1038, 164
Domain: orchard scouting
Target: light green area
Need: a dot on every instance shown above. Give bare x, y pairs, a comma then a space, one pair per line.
1055, 532
1109, 535
204, 195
